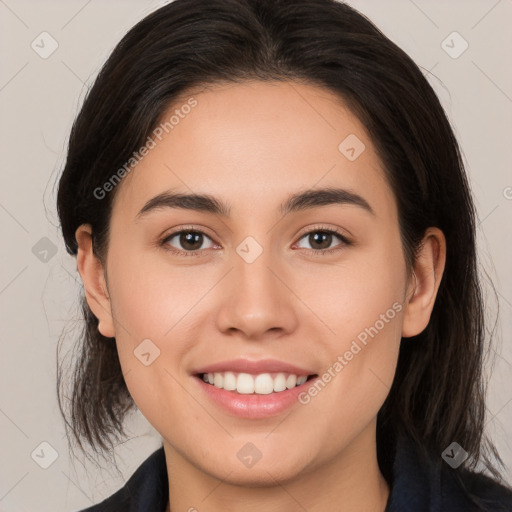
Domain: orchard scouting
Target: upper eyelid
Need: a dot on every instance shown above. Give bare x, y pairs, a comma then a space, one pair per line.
319, 227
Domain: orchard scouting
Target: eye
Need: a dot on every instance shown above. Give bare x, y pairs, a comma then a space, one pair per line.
321, 239
190, 242
187, 241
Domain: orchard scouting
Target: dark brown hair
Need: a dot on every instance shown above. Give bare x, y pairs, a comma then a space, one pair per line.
438, 392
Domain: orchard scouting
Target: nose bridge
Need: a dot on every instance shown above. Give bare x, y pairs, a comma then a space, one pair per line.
256, 287
258, 301
254, 279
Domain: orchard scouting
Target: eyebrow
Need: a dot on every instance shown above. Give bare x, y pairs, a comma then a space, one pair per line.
299, 201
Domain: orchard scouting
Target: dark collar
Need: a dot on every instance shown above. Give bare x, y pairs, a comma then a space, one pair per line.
428, 484
417, 485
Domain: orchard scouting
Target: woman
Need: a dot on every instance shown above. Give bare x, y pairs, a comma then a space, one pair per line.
277, 243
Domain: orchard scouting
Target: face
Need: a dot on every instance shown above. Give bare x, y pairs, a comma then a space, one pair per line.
263, 290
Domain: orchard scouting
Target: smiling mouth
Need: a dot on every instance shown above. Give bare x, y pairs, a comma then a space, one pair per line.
259, 384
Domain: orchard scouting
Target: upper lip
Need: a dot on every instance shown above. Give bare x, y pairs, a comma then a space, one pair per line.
254, 367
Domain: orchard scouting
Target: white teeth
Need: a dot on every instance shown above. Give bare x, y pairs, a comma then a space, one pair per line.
218, 380
229, 381
291, 381
263, 384
280, 382
247, 384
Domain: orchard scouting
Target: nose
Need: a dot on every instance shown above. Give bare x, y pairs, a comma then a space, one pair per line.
257, 300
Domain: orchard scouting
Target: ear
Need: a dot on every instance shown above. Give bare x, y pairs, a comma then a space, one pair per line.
424, 283
93, 276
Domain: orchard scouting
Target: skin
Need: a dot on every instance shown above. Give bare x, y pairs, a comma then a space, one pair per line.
252, 145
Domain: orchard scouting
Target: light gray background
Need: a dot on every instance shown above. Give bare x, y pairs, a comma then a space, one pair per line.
39, 99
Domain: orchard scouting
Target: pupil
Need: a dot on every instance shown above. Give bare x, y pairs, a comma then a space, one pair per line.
188, 240
321, 238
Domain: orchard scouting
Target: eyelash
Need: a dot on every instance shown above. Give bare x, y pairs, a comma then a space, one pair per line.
315, 252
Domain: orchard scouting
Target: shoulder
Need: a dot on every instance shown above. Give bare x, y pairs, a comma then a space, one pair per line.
484, 492
431, 485
147, 489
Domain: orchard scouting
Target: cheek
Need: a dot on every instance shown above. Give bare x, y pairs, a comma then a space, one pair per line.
150, 297
358, 375
363, 292
151, 301
361, 303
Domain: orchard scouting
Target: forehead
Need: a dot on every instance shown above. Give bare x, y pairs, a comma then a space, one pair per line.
255, 143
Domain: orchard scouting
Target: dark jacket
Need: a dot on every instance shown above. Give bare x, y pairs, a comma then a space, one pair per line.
414, 487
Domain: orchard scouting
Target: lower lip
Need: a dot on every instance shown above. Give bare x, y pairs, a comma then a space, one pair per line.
253, 406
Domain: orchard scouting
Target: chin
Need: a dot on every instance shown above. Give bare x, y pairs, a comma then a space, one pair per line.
251, 467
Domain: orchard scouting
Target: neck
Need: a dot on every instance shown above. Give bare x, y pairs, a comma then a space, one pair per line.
352, 480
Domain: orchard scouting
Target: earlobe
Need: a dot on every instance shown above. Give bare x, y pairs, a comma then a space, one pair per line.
93, 276
424, 283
